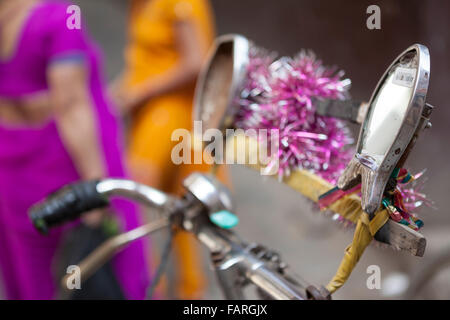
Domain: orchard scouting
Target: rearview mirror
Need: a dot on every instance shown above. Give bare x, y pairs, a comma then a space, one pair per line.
394, 113
219, 82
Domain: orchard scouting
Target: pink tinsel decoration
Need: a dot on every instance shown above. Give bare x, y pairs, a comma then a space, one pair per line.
280, 94
412, 194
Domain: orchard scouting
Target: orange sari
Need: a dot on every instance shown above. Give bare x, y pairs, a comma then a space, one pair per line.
152, 51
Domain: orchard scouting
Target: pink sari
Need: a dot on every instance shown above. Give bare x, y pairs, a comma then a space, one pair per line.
34, 162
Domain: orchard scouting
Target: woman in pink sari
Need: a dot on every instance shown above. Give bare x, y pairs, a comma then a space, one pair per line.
56, 126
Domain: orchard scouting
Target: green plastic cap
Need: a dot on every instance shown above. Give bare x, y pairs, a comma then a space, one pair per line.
224, 219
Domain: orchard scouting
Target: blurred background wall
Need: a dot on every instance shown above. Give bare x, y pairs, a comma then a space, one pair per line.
336, 31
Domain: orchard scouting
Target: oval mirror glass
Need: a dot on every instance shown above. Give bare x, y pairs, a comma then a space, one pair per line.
389, 108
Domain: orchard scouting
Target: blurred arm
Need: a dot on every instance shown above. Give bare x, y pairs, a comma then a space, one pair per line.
185, 71
75, 117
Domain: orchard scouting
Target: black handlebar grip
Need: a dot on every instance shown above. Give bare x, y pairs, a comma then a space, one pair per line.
67, 204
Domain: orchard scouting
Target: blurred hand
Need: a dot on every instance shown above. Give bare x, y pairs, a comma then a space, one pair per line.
125, 99
94, 218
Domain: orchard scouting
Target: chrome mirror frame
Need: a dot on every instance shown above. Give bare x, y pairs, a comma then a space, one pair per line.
221, 78
374, 179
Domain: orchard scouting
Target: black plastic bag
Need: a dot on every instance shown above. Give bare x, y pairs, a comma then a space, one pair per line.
103, 284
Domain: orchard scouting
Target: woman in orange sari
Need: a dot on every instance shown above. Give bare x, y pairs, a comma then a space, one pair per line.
168, 41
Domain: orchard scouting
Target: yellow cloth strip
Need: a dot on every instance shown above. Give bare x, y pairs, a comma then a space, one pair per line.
348, 207
312, 186
362, 237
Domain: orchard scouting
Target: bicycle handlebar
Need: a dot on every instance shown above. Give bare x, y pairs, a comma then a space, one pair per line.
73, 200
